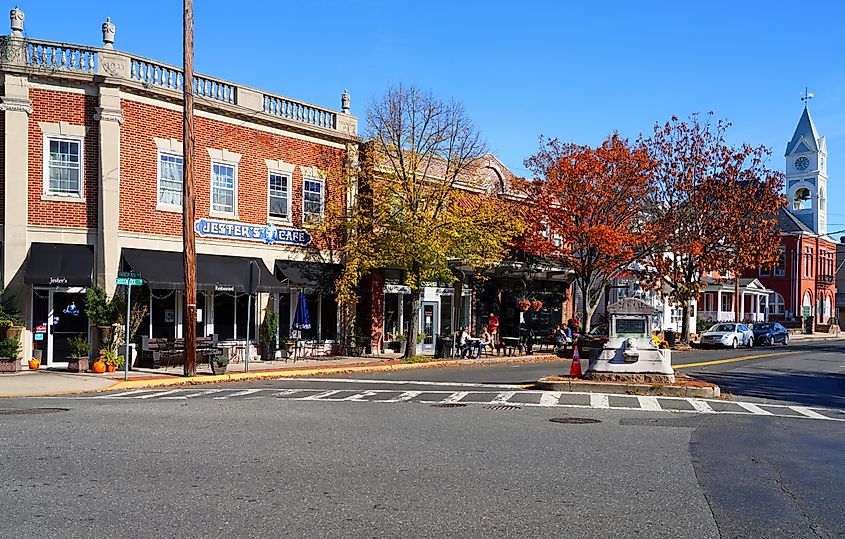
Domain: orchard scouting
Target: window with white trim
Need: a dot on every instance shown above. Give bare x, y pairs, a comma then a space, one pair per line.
224, 182
313, 198
63, 167
279, 195
776, 303
780, 267
170, 179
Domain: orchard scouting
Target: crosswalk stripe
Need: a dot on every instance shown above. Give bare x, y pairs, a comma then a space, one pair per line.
808, 412
649, 403
455, 397
156, 394
404, 397
503, 397
550, 398
360, 396
237, 394
192, 395
701, 406
322, 395
119, 395
753, 408
597, 400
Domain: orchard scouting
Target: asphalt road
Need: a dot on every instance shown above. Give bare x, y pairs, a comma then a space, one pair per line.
379, 456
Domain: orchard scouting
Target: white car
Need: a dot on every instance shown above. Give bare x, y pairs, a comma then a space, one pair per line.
730, 335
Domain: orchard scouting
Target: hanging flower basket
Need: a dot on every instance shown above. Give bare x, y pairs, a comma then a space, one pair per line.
536, 305
524, 305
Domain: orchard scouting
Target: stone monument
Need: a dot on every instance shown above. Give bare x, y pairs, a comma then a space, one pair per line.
630, 353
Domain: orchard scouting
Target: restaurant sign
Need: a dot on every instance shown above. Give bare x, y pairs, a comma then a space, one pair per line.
269, 234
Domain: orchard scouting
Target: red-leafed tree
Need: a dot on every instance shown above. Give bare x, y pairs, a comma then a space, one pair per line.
748, 210
710, 203
586, 211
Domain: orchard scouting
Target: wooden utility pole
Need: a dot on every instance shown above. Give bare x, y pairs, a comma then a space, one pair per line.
190, 254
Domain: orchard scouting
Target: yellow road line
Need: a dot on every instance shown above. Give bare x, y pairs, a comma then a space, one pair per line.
731, 360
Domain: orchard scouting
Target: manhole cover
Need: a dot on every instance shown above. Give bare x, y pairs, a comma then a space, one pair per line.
31, 411
449, 405
502, 407
574, 420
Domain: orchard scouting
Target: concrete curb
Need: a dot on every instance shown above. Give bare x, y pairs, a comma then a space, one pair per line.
659, 390
314, 371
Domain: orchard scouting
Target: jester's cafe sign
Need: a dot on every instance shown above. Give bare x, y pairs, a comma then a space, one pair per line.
269, 234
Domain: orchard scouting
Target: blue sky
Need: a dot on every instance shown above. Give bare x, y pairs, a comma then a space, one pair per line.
572, 70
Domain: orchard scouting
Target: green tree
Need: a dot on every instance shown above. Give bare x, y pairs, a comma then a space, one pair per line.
417, 201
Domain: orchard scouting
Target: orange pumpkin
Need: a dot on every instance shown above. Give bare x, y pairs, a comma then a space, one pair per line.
34, 364
98, 367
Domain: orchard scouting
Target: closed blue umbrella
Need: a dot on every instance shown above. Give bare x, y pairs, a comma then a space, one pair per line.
301, 318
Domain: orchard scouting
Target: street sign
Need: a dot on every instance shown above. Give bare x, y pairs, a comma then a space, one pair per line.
129, 274
127, 281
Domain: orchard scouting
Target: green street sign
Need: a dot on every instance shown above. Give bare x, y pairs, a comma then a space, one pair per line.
125, 281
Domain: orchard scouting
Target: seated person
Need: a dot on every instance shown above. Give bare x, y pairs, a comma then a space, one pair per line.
558, 337
484, 340
464, 343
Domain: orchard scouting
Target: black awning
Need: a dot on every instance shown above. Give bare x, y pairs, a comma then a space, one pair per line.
308, 275
165, 269
59, 264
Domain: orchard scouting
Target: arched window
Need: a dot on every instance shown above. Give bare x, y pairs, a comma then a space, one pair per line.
808, 302
802, 199
828, 309
776, 303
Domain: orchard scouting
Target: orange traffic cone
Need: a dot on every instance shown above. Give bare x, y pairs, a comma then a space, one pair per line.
575, 368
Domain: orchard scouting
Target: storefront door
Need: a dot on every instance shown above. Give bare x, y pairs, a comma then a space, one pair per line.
57, 315
428, 323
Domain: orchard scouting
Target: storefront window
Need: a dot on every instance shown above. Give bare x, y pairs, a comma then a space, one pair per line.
242, 305
446, 315
224, 316
284, 315
313, 302
163, 314
391, 316
328, 318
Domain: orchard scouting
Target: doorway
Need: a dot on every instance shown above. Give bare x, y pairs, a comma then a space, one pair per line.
58, 314
428, 323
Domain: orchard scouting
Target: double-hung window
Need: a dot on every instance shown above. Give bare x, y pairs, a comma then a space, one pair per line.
313, 196
170, 180
63, 164
279, 195
224, 182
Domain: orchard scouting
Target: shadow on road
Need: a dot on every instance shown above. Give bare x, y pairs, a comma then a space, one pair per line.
800, 387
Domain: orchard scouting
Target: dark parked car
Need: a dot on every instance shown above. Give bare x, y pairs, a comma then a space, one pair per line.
596, 338
769, 333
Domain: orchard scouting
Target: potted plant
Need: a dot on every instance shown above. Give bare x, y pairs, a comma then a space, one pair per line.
102, 312
524, 305
77, 360
536, 305
111, 359
99, 366
10, 349
219, 363
11, 322
268, 331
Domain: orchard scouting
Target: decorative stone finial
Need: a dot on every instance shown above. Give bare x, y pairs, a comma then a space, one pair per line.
108, 34
344, 102
16, 16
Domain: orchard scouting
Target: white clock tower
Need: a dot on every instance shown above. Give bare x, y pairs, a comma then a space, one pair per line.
806, 173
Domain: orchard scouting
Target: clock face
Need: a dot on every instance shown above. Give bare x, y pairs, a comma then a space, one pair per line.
802, 163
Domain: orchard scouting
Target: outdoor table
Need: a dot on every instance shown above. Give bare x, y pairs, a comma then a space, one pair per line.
511, 343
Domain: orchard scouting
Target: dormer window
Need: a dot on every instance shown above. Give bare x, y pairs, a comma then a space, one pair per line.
802, 199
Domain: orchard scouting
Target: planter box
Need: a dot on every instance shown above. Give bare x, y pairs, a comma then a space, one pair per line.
77, 364
218, 369
8, 364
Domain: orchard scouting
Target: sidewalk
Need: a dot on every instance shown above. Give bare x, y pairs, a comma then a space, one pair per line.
45, 382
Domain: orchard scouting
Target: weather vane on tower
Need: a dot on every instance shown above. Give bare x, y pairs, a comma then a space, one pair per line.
807, 96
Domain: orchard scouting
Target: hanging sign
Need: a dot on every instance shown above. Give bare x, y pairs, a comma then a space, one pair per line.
269, 234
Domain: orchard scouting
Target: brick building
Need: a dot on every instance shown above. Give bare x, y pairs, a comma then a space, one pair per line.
91, 162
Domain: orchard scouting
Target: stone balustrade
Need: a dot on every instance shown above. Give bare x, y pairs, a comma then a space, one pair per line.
61, 57
47, 58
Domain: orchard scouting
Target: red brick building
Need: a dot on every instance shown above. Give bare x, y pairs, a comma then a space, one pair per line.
91, 164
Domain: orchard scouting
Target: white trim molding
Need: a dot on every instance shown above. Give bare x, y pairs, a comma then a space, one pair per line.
169, 145
277, 165
224, 155
16, 104
313, 173
62, 129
